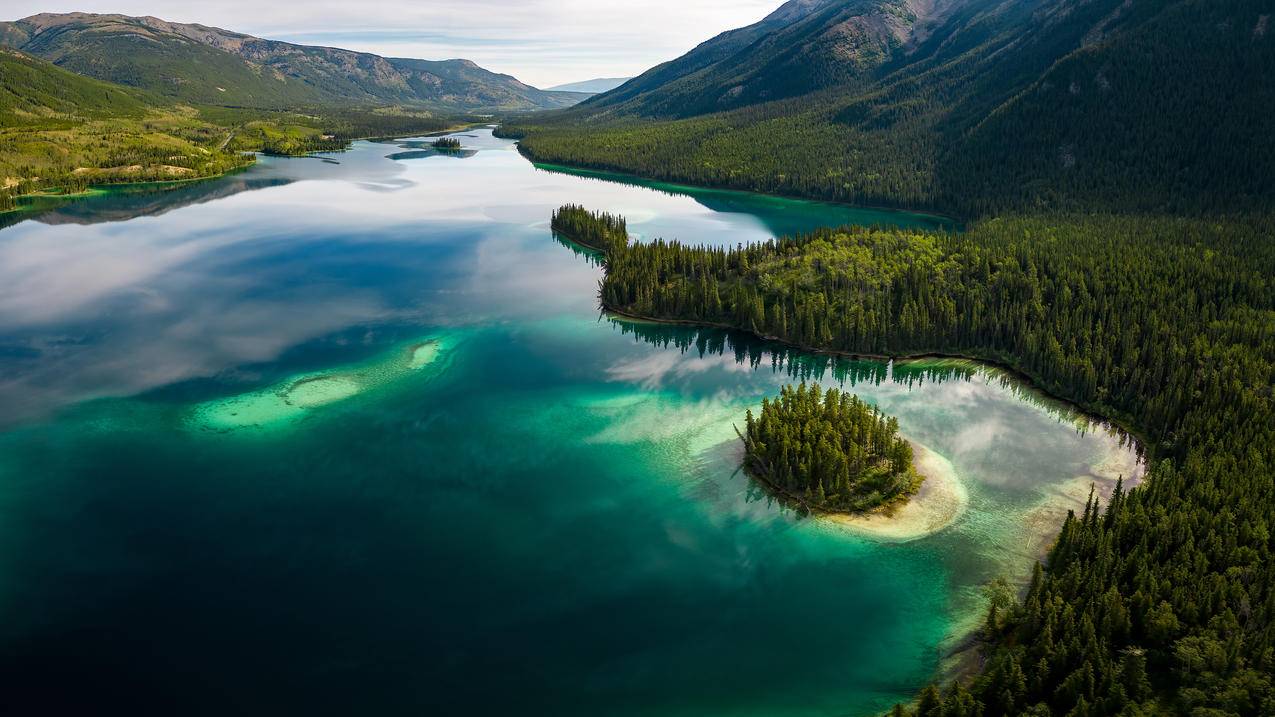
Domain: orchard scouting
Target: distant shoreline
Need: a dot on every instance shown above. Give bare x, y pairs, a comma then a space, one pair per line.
949, 222
99, 188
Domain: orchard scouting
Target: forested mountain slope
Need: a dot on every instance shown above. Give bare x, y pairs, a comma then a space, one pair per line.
60, 129
207, 65
971, 107
31, 90
804, 46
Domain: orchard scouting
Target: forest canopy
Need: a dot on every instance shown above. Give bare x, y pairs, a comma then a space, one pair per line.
1163, 602
828, 451
596, 230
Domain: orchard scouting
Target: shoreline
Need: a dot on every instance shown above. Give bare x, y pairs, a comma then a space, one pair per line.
998, 362
936, 504
952, 223
579, 242
97, 189
961, 652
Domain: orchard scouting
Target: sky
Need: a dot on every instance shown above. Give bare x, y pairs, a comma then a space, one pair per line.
541, 42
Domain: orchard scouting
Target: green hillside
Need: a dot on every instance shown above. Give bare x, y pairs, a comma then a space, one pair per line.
61, 132
461, 83
969, 107
31, 92
206, 65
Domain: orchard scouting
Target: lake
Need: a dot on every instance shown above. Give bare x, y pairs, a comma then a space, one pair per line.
348, 435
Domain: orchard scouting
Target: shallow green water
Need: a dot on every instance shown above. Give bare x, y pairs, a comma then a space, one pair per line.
350, 437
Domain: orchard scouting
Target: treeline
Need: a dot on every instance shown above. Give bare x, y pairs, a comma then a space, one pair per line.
353, 124
326, 130
1163, 603
447, 143
595, 230
747, 348
764, 148
799, 365
828, 451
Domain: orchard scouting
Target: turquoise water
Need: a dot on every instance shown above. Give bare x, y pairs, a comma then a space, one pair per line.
349, 436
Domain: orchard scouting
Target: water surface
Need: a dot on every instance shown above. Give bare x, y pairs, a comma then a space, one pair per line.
349, 436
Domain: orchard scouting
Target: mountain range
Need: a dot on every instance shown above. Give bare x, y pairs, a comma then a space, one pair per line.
803, 46
594, 86
962, 106
208, 65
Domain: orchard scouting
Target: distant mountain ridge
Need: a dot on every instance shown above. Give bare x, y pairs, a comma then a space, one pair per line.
594, 86
208, 65
802, 47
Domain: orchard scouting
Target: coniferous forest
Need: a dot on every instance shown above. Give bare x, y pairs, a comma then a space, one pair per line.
1161, 602
598, 231
829, 451
1112, 161
1039, 105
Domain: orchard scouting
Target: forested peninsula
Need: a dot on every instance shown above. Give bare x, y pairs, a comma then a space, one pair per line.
599, 231
1163, 601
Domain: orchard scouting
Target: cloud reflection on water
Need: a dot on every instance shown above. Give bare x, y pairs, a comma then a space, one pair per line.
121, 294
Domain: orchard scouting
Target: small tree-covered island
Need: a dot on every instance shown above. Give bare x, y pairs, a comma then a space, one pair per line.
829, 452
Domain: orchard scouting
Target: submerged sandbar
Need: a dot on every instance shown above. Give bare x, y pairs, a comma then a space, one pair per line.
295, 398
940, 500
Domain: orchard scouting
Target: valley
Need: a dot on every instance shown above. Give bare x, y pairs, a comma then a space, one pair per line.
877, 356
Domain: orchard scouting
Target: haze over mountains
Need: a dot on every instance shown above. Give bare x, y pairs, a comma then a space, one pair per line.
596, 86
206, 65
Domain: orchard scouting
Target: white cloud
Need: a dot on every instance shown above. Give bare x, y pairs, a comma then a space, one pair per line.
543, 42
